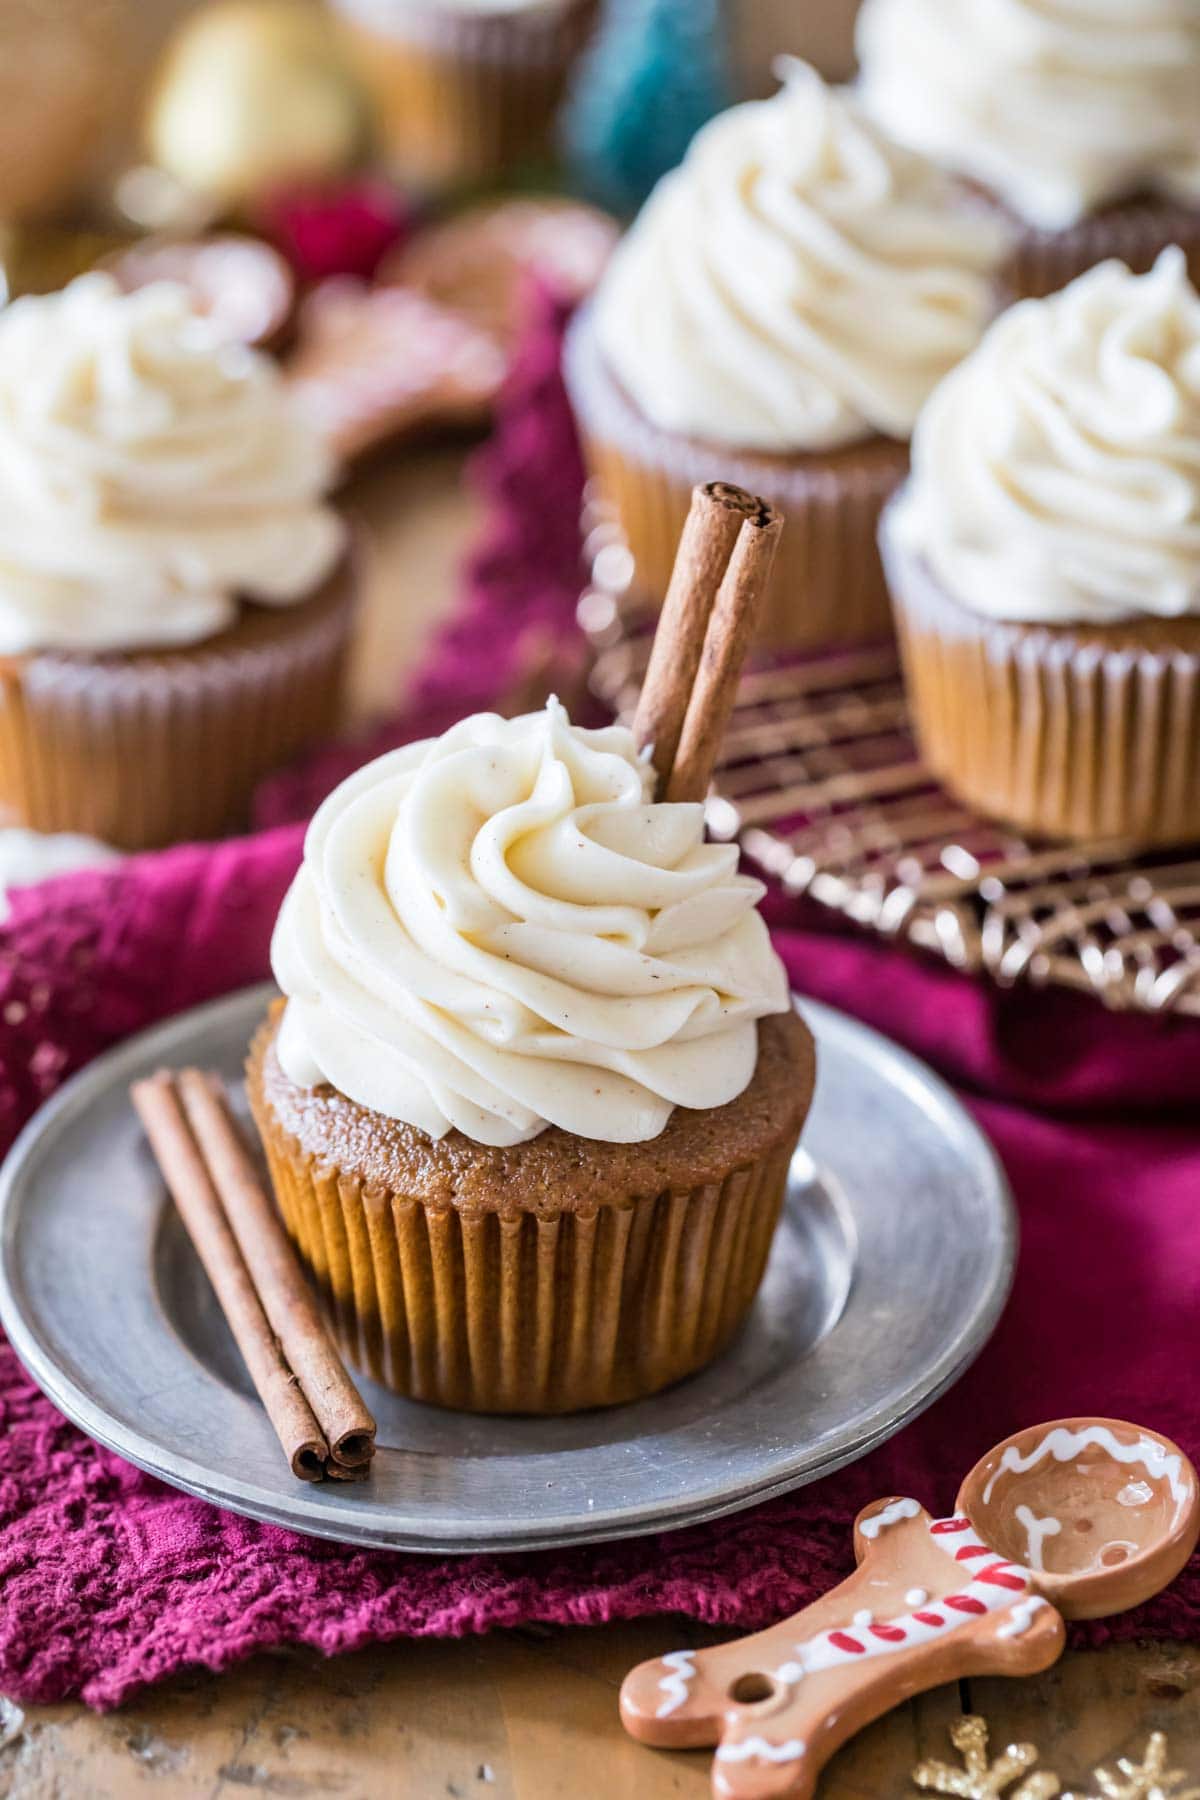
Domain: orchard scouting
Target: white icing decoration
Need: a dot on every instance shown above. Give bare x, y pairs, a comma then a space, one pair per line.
822, 1652
863, 1619
899, 1509
1021, 1617
749, 1747
1036, 1532
1160, 1463
682, 1664
916, 1596
789, 1673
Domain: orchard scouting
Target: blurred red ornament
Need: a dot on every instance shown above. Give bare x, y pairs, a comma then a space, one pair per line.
341, 230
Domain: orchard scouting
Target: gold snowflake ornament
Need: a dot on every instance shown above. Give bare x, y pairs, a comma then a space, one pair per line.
1148, 1780
984, 1779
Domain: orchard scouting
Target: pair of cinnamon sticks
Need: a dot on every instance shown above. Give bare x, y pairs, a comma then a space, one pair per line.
708, 622
318, 1415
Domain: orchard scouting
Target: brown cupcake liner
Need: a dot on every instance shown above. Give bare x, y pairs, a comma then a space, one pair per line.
525, 1312
827, 587
1071, 731
154, 747
1135, 232
462, 98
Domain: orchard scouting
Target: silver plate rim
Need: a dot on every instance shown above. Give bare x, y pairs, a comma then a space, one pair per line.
306, 1510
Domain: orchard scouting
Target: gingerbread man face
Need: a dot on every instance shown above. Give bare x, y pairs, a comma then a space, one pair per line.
929, 1601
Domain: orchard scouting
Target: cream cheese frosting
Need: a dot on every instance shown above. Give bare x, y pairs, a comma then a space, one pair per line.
1056, 106
496, 930
798, 283
1056, 472
152, 475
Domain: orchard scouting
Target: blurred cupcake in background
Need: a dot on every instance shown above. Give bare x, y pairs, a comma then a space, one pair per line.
175, 602
465, 91
776, 317
1044, 560
1079, 119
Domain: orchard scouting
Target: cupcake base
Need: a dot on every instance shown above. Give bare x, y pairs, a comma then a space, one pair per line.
827, 587
1082, 732
151, 747
1134, 231
463, 98
547, 1278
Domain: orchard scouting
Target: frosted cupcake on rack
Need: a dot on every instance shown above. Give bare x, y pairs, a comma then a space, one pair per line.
784, 304
174, 598
531, 1102
465, 91
1079, 120
1044, 561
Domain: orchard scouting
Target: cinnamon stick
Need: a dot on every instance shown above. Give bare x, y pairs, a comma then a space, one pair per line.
710, 532
304, 1444
278, 1281
731, 628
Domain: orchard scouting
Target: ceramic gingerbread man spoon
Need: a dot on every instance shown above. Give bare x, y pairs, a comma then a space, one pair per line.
1073, 1520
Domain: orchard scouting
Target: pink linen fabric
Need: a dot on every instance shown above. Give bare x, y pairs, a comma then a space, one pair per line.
109, 1580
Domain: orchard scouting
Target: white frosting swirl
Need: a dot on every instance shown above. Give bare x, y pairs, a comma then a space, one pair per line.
1057, 106
151, 475
1056, 472
495, 931
798, 283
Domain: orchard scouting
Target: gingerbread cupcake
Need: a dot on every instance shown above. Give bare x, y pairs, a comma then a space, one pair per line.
465, 91
530, 1104
777, 315
1077, 120
1044, 561
175, 601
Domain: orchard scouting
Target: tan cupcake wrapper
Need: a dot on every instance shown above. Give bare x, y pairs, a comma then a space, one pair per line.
1082, 733
527, 1312
462, 98
1043, 262
827, 586
155, 748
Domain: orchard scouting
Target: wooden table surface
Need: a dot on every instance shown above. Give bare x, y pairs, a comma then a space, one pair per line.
523, 1715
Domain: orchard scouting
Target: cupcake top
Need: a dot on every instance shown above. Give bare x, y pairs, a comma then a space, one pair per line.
798, 283
152, 475
496, 930
1056, 106
1056, 472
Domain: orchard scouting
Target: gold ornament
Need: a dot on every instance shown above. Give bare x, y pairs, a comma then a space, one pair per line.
981, 1779
984, 1779
1148, 1780
252, 93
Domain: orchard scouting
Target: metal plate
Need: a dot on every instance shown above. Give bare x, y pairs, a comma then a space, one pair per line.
889, 1270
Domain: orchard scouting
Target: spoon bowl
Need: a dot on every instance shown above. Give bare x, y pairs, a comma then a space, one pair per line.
1103, 1514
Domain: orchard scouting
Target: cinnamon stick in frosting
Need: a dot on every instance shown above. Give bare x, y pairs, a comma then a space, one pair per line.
707, 624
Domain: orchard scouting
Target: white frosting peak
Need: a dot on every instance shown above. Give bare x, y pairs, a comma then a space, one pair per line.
799, 282
151, 474
1056, 472
1057, 106
496, 931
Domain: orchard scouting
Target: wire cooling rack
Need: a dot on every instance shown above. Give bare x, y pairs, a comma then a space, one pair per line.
820, 780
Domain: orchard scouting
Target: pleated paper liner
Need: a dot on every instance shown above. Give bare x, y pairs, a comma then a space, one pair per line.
1072, 733
827, 587
156, 747
1134, 231
821, 780
534, 1309
463, 97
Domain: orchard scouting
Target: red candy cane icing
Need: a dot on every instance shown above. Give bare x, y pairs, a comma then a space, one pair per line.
993, 1585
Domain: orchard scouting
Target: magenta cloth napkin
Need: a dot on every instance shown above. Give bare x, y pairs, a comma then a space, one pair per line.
109, 1580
